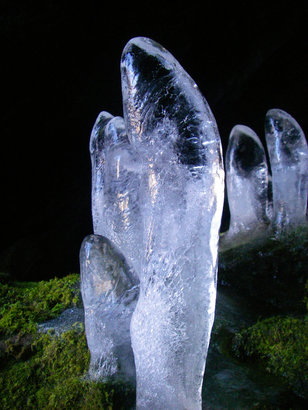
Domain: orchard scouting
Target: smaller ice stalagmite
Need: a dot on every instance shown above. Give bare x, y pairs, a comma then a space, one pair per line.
288, 153
109, 294
116, 174
247, 184
109, 285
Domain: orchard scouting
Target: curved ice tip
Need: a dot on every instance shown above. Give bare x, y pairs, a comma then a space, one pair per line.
144, 43
97, 131
102, 119
149, 47
277, 113
239, 130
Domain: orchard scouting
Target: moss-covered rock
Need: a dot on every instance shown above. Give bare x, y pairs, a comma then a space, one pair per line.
48, 371
271, 272
54, 377
281, 343
24, 304
273, 277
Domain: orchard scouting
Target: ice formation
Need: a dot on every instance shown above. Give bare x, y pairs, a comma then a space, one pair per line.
247, 183
116, 173
180, 197
288, 153
157, 198
115, 213
109, 295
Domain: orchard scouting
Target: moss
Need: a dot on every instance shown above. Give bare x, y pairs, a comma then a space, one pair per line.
281, 343
271, 272
46, 371
272, 276
52, 377
23, 305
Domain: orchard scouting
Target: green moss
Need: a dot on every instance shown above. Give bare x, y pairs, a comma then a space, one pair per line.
49, 372
282, 345
46, 371
53, 376
23, 305
272, 272
272, 276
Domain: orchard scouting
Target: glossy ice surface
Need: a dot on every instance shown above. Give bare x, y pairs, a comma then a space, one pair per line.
247, 182
157, 195
116, 174
109, 296
174, 135
288, 152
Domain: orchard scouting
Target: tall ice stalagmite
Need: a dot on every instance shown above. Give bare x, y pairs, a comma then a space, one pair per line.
174, 137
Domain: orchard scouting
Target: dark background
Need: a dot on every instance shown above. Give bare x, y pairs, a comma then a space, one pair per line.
60, 68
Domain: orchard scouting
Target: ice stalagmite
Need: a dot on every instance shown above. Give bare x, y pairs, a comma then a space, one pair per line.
115, 186
175, 138
247, 183
288, 152
109, 296
109, 285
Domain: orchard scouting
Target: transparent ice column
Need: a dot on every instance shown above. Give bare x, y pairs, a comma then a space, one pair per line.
247, 184
174, 135
109, 295
108, 259
116, 173
288, 153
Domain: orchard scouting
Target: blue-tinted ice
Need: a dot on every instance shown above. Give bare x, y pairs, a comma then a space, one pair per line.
175, 137
247, 185
109, 295
157, 198
288, 153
